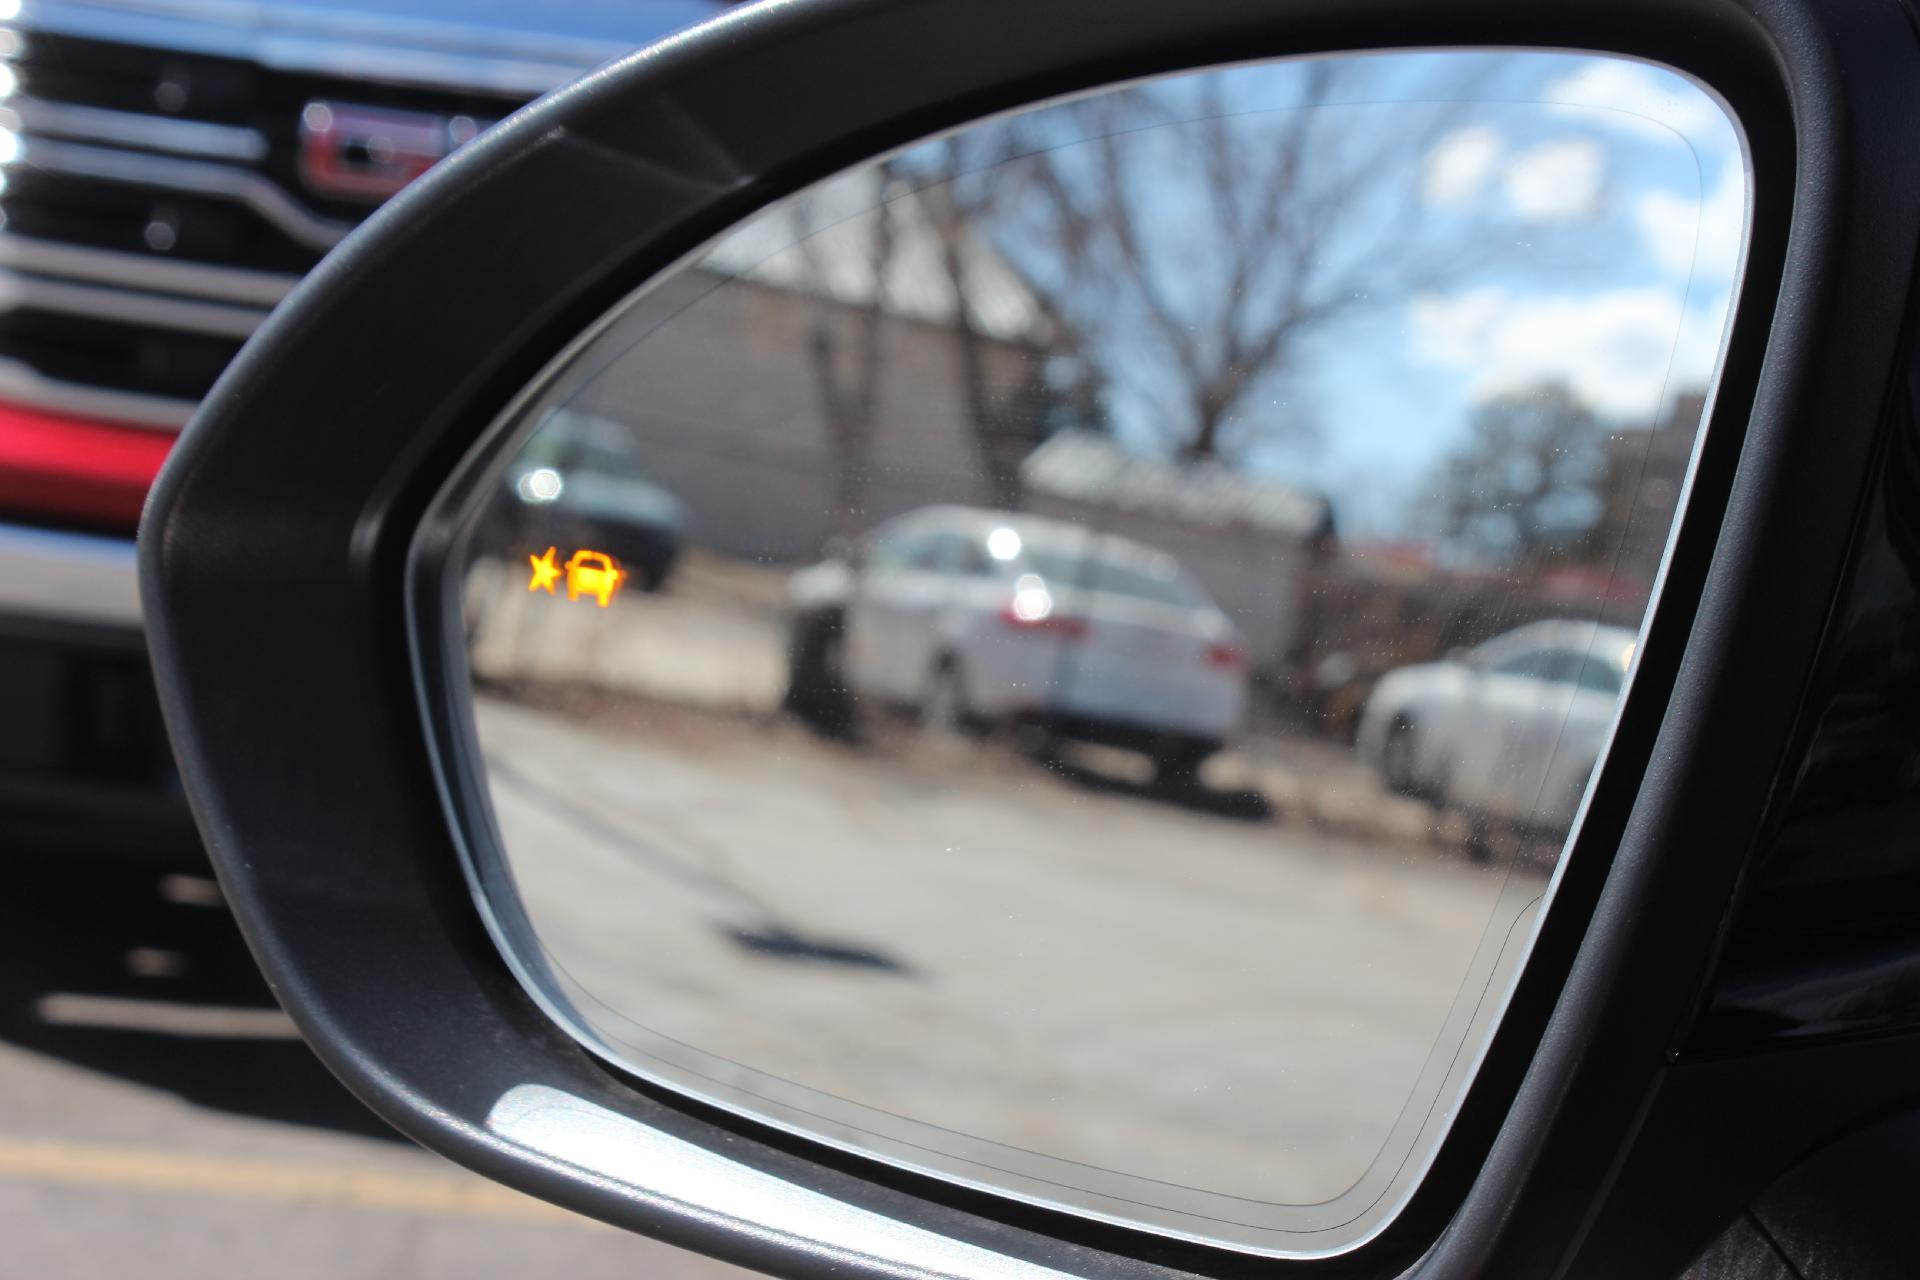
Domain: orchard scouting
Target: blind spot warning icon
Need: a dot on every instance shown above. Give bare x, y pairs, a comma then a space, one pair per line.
545, 571
593, 573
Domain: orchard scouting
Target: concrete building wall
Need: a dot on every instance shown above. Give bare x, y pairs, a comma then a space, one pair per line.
715, 378
725, 403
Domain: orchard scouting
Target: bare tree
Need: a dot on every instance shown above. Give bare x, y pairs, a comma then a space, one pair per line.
1009, 387
1199, 248
1525, 486
845, 336
867, 254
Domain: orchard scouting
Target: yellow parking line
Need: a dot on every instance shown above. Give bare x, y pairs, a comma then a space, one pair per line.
188, 1173
68, 1009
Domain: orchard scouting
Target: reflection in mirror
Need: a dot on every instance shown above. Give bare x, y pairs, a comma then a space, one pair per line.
1066, 658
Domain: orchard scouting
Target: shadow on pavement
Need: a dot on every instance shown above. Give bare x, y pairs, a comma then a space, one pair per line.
782, 943
1245, 804
131, 972
771, 937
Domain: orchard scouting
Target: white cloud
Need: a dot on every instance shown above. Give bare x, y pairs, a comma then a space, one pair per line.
1613, 349
1460, 163
1697, 238
1558, 179
1641, 98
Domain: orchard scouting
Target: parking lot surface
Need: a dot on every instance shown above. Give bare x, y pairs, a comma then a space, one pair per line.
1053, 951
160, 1118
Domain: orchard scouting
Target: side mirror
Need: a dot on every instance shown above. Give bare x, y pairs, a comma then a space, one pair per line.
955, 993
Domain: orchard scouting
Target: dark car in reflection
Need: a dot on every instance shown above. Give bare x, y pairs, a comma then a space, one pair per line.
974, 618
579, 482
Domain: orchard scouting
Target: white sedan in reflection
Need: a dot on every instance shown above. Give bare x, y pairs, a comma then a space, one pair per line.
973, 616
1510, 730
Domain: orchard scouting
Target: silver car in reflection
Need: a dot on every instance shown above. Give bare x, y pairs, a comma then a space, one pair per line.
974, 617
1509, 730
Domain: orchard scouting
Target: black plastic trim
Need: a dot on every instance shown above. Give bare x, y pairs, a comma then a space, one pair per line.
274, 547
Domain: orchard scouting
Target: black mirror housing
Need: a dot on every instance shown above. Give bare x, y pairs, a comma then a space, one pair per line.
274, 567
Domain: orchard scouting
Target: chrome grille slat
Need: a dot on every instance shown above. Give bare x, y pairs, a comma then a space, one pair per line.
68, 575
21, 381
136, 271
126, 306
155, 207
128, 129
197, 177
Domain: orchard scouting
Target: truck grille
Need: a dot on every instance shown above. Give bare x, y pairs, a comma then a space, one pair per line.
154, 211
170, 168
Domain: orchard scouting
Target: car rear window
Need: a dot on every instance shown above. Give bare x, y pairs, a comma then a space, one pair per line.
1160, 583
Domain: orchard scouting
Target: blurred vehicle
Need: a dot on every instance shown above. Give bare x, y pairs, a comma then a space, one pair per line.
1510, 729
1334, 691
579, 481
173, 169
975, 618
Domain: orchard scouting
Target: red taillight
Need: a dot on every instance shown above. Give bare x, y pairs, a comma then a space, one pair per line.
1227, 656
1051, 624
97, 472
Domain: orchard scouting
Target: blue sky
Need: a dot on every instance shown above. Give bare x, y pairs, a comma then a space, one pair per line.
1597, 204
1600, 203
1627, 183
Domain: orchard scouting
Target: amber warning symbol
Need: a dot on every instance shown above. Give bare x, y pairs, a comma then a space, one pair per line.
588, 573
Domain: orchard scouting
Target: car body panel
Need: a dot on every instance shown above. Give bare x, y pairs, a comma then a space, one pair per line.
1495, 738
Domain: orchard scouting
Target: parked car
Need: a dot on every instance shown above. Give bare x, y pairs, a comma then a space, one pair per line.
580, 482
974, 617
1510, 729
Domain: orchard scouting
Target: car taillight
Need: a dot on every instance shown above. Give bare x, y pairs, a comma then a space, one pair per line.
1227, 656
1051, 624
94, 472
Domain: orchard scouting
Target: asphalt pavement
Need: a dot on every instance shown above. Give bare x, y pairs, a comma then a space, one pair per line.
1101, 978
975, 950
1022, 953
160, 1118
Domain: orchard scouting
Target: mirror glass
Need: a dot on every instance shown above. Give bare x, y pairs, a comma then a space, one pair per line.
1066, 657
